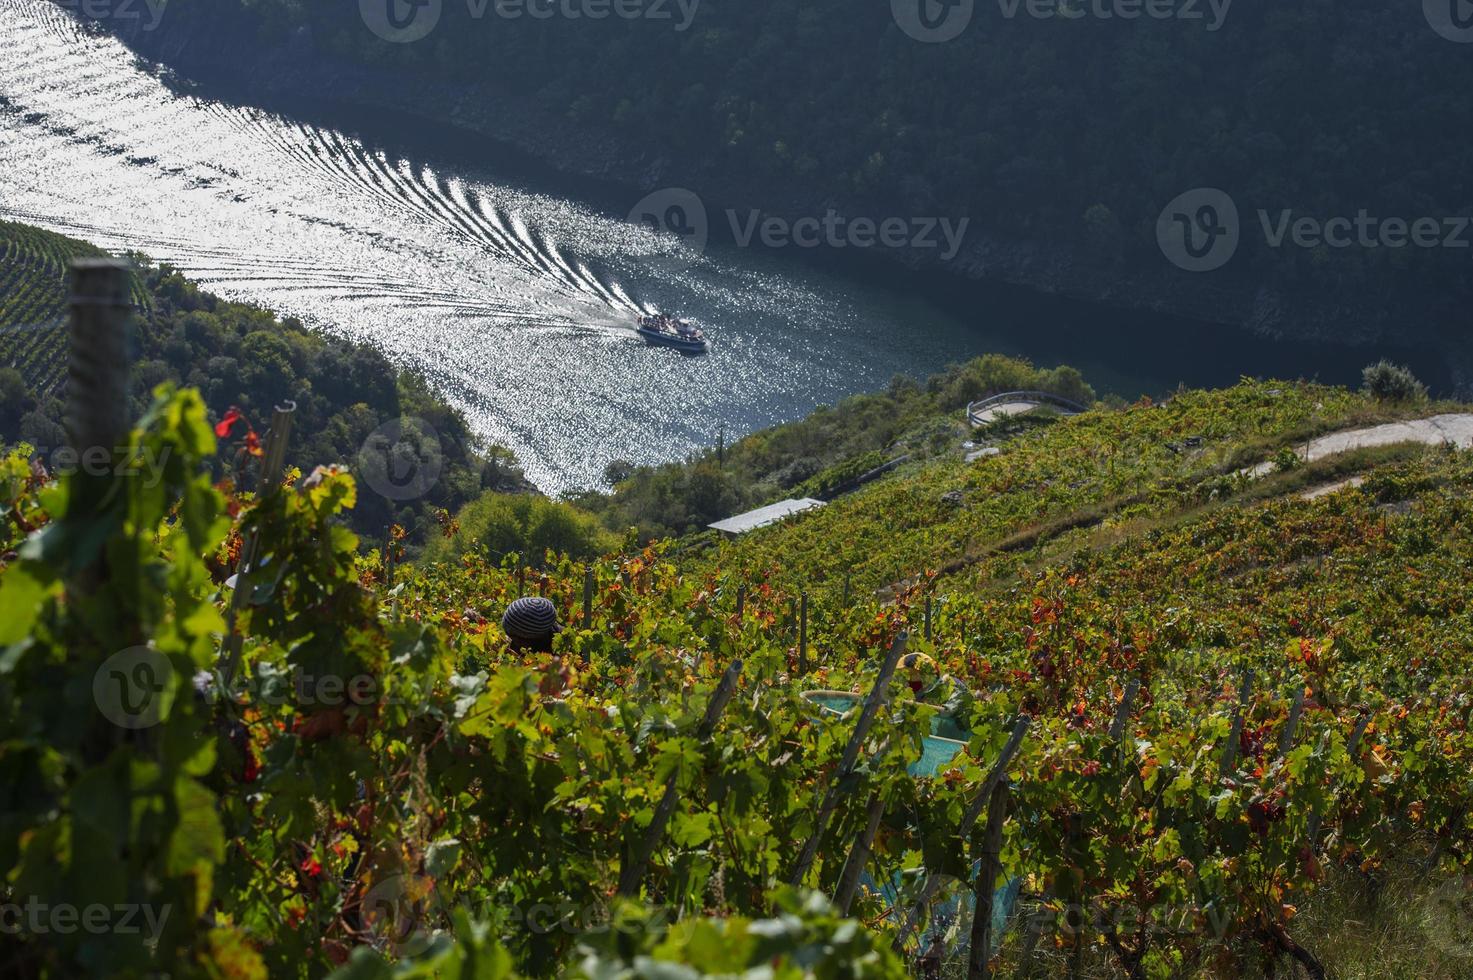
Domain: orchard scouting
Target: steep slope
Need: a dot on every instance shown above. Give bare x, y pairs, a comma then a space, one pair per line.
33, 291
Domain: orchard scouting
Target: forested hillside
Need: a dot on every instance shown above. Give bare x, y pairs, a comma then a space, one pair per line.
349, 398
823, 454
1062, 138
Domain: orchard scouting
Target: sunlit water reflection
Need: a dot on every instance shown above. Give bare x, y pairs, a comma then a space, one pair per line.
518, 306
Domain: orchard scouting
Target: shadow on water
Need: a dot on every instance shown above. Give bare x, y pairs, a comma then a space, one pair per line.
1121, 351
1127, 352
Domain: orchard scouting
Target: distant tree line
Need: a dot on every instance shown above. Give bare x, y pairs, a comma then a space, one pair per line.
1071, 133
818, 453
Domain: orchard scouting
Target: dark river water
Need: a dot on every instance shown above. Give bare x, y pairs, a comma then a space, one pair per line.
515, 292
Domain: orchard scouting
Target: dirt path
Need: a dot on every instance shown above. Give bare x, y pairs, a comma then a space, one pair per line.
1314, 493
1434, 431
999, 411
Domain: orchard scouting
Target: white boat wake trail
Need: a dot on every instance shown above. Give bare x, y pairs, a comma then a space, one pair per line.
518, 306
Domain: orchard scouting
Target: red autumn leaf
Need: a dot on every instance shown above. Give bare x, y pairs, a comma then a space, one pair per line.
223, 427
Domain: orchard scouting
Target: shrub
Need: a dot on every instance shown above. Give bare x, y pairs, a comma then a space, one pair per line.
1389, 382
527, 524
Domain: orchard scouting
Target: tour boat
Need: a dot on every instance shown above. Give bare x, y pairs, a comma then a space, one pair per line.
672, 331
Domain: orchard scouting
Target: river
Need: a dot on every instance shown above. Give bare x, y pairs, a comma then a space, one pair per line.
514, 292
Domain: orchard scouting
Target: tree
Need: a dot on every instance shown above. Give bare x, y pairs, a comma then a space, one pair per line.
527, 524
15, 399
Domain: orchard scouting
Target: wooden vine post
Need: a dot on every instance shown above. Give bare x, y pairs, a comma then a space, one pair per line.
1286, 739
389, 557
1356, 735
964, 828
97, 394
981, 951
1230, 751
830, 798
859, 854
633, 873
588, 597
803, 634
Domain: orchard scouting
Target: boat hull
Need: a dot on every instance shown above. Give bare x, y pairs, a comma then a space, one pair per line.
678, 343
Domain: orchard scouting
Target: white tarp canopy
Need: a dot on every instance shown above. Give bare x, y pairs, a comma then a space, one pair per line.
763, 516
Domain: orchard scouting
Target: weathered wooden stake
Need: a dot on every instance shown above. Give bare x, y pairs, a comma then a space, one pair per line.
830, 798
97, 394
1122, 711
964, 827
588, 597
388, 557
981, 952
741, 601
803, 634
1230, 751
1286, 740
1350, 748
859, 855
998, 774
633, 873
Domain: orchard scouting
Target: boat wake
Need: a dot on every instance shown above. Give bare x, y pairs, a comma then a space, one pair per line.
522, 308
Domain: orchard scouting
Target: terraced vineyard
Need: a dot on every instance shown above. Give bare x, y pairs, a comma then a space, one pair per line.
33, 289
1104, 469
1239, 717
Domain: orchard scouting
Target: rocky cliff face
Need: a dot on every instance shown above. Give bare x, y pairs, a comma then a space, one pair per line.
229, 51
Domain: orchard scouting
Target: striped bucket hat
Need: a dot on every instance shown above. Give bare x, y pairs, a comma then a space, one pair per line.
530, 618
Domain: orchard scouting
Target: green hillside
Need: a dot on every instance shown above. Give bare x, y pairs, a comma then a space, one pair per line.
33, 292
244, 358
1108, 468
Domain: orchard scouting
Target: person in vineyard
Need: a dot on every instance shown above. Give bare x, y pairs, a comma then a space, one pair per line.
530, 624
